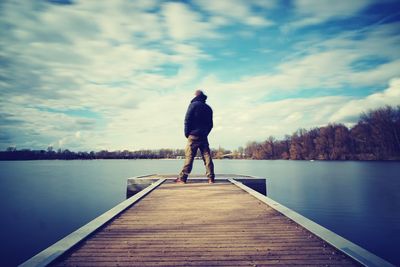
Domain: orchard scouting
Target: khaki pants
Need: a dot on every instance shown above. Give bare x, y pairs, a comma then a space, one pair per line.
194, 143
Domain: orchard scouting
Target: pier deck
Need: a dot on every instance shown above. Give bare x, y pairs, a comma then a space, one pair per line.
198, 224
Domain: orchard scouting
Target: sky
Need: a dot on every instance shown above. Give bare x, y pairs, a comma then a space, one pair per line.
115, 75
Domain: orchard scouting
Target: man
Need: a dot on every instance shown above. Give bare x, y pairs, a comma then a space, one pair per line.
198, 124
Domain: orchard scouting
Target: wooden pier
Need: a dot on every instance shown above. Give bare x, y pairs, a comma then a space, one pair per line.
200, 224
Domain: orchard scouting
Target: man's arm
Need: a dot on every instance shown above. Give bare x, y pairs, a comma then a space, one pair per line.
188, 120
211, 124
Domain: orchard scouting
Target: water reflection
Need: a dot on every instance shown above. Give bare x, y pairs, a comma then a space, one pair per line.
42, 201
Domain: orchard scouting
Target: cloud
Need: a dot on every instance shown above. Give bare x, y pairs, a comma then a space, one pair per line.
353, 108
313, 12
320, 71
323, 64
183, 23
86, 55
120, 74
237, 119
226, 12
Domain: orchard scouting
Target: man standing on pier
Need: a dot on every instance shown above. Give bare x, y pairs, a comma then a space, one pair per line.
198, 124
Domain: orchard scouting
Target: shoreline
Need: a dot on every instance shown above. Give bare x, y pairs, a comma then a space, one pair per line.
225, 159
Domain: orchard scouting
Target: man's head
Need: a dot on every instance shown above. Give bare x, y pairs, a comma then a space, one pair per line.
199, 96
198, 92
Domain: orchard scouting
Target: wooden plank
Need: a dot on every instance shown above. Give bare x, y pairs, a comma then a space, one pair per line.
198, 224
352, 250
48, 255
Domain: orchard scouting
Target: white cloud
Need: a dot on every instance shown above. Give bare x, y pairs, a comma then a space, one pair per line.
238, 120
312, 12
353, 108
264, 4
93, 56
326, 64
321, 71
128, 70
237, 11
183, 23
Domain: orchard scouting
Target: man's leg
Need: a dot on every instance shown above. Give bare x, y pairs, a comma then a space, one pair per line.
190, 153
207, 158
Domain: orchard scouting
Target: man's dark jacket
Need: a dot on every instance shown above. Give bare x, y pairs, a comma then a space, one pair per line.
198, 119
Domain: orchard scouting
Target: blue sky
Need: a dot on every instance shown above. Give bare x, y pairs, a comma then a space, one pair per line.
91, 75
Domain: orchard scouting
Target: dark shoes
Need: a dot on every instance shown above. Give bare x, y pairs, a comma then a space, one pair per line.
179, 181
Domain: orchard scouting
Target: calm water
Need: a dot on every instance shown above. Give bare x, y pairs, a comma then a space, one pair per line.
42, 201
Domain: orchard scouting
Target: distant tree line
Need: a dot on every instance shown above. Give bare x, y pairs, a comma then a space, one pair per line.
376, 136
26, 154
12, 153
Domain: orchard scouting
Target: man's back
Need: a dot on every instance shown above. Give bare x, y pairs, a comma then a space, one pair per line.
198, 119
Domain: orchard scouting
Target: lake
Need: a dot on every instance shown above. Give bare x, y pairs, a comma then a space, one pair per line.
42, 201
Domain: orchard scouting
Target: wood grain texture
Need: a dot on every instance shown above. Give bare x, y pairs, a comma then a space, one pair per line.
198, 224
